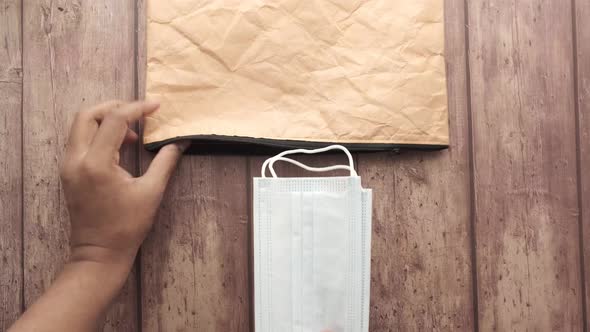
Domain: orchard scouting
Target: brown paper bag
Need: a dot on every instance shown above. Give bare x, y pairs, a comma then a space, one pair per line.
297, 73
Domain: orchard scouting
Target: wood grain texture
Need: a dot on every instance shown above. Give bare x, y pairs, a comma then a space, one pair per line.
583, 87
421, 257
528, 263
10, 163
76, 54
194, 264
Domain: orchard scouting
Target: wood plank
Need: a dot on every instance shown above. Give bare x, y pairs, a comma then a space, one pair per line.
421, 256
528, 260
10, 163
77, 54
194, 264
583, 86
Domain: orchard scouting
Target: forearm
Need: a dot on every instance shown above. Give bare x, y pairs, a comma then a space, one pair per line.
77, 299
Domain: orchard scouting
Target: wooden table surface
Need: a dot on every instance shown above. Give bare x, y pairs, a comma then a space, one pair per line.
489, 234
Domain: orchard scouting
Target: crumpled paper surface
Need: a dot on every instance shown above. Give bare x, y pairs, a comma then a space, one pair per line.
343, 71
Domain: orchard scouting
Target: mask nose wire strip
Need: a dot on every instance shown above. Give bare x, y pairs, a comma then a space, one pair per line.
271, 160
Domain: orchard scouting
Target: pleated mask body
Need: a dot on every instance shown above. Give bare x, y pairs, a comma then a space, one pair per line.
312, 252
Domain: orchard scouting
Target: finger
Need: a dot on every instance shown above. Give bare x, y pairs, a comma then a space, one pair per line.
161, 168
130, 137
85, 125
112, 130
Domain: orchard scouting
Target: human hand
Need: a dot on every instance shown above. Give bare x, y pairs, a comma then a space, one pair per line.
110, 215
111, 211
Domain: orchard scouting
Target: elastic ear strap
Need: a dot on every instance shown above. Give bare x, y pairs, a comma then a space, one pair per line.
304, 166
307, 151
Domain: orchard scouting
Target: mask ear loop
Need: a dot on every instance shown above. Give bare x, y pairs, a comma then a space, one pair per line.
271, 161
304, 166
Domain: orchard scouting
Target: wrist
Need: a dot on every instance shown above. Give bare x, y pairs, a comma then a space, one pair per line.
115, 259
91, 287
108, 275
105, 272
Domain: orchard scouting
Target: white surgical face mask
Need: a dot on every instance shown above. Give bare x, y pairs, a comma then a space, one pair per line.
312, 249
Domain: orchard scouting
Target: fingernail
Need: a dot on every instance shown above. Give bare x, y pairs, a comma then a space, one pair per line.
183, 145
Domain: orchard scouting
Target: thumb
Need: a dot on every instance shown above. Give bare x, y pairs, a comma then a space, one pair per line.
164, 164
